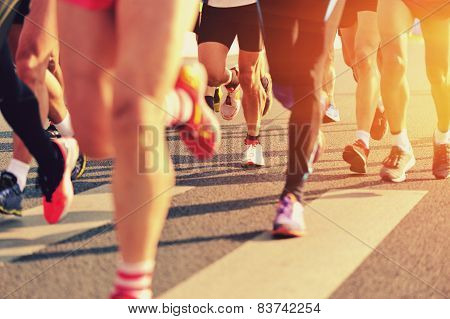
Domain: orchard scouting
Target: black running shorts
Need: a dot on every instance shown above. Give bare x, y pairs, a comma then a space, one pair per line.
22, 11
222, 25
351, 9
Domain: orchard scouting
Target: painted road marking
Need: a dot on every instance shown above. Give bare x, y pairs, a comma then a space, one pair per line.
29, 234
310, 267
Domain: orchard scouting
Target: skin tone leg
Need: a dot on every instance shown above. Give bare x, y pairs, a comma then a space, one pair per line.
367, 42
87, 71
253, 97
394, 19
348, 36
213, 56
437, 36
144, 195
330, 76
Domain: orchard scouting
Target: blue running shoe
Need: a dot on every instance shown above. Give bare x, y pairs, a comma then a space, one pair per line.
10, 195
289, 221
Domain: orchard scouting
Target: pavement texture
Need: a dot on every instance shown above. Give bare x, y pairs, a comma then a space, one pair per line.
223, 210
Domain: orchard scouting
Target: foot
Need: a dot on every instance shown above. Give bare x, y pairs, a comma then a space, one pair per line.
253, 154
379, 125
266, 82
396, 165
289, 221
331, 114
10, 195
80, 167
231, 103
441, 161
57, 198
356, 155
201, 134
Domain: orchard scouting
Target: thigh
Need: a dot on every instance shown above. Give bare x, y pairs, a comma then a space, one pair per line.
213, 56
348, 36
39, 33
367, 38
394, 21
436, 33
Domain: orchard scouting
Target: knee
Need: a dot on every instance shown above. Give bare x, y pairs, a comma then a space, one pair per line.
247, 79
366, 62
395, 65
29, 71
215, 79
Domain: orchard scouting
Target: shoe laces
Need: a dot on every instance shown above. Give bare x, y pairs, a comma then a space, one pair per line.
285, 205
394, 158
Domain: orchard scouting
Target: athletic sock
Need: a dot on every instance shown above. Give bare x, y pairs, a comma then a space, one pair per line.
65, 127
363, 136
20, 170
251, 140
441, 138
401, 140
179, 107
134, 279
234, 80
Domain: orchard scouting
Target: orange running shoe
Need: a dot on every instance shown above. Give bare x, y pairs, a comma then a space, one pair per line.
57, 201
201, 133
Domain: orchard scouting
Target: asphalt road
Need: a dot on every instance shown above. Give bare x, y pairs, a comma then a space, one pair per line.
224, 208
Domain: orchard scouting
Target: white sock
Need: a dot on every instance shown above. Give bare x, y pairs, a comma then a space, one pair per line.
210, 91
441, 138
363, 136
401, 140
179, 107
20, 170
230, 77
65, 127
135, 278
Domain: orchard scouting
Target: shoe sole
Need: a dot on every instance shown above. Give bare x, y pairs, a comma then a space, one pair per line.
284, 233
402, 178
225, 94
251, 165
356, 161
10, 212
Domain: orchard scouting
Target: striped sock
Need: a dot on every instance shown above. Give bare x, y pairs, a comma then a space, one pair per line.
133, 280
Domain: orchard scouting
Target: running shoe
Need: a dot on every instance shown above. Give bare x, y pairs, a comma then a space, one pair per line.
266, 82
217, 96
441, 161
397, 164
201, 133
10, 195
253, 155
379, 125
331, 114
80, 167
356, 155
57, 200
231, 103
289, 220
52, 131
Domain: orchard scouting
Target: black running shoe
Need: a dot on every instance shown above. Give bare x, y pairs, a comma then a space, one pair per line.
52, 131
10, 195
441, 161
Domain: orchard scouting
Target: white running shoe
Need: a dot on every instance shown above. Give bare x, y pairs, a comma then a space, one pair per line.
253, 156
231, 101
